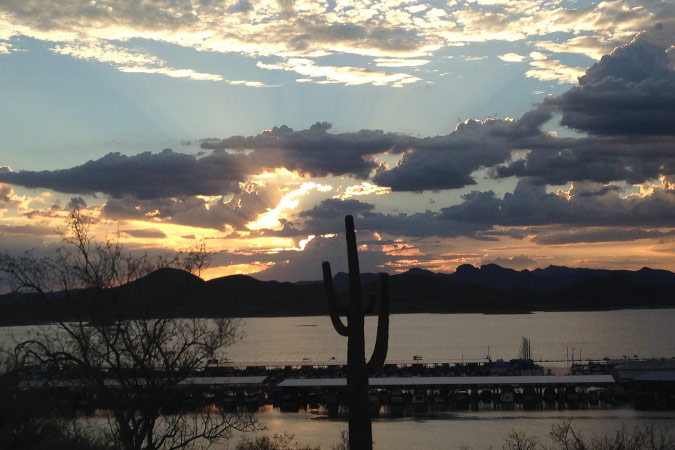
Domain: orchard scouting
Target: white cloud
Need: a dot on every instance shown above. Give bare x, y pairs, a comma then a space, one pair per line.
592, 46
553, 70
395, 33
346, 74
400, 62
248, 83
6, 48
127, 60
303, 28
364, 188
138, 61
538, 56
173, 73
512, 57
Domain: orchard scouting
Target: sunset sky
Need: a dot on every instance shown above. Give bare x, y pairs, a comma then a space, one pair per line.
524, 133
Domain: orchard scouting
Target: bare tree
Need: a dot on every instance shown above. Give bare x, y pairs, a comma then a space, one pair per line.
117, 335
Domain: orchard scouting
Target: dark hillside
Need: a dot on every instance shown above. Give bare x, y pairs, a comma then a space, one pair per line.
488, 289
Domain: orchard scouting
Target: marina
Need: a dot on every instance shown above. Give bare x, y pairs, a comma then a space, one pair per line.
438, 363
426, 388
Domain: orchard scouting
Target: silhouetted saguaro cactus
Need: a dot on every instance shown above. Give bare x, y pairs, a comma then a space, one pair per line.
360, 431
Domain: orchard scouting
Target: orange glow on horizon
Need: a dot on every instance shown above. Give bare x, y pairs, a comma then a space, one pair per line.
211, 273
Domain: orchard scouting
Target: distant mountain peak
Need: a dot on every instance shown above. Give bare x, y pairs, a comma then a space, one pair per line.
419, 271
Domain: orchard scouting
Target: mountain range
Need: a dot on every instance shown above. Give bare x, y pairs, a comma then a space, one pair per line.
490, 289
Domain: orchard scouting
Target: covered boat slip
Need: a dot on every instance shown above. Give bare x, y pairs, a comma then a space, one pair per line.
401, 382
74, 383
412, 381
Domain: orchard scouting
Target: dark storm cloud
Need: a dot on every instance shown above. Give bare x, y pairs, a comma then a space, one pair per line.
332, 208
625, 102
145, 176
235, 211
76, 203
531, 205
314, 151
440, 162
602, 159
446, 162
629, 92
599, 235
170, 174
327, 217
6, 193
626, 105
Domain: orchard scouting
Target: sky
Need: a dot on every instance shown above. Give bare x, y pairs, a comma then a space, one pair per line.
522, 133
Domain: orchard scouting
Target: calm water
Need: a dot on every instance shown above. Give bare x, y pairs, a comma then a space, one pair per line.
460, 430
436, 337
553, 335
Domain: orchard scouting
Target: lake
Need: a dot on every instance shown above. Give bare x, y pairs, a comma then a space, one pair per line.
453, 337
555, 337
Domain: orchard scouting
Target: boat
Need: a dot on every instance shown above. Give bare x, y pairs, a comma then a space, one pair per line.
530, 398
486, 396
507, 395
550, 395
397, 397
462, 398
419, 397
572, 397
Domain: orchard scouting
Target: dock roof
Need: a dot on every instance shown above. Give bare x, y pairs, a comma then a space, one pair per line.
456, 381
75, 383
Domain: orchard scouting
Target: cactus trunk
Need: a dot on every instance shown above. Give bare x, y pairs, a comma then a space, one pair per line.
360, 430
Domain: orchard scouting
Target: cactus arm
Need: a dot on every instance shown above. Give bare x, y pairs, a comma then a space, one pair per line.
333, 306
382, 341
371, 304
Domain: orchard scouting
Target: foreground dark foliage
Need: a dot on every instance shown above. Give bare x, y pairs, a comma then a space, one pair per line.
286, 441
566, 437
130, 365
51, 434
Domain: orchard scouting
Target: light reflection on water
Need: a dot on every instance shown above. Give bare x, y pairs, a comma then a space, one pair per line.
453, 430
461, 429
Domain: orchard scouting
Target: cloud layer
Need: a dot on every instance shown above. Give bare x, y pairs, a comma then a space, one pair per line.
295, 35
624, 103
